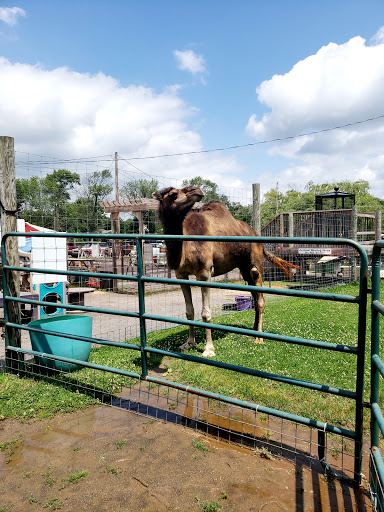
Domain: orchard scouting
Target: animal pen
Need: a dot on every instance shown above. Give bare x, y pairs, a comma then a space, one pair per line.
20, 359
137, 311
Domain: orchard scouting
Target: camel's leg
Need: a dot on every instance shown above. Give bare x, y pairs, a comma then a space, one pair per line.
254, 277
209, 350
190, 313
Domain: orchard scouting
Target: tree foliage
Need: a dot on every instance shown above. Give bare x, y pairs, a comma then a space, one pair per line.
98, 186
296, 201
139, 188
61, 201
210, 189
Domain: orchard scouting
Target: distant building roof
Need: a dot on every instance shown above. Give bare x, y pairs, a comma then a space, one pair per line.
337, 196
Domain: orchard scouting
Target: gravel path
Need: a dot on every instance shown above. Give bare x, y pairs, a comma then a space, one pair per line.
119, 328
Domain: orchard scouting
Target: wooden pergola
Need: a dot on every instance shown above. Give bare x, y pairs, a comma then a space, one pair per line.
134, 206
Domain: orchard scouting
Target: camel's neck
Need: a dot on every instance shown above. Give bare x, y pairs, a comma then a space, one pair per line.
173, 225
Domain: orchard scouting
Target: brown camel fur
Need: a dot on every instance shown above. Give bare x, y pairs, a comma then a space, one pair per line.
208, 259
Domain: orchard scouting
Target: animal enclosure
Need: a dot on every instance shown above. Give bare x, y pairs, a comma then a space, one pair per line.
111, 333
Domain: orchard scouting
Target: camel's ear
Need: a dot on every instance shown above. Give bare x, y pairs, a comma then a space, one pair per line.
161, 193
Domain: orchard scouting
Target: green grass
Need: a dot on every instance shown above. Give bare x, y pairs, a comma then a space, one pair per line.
25, 398
328, 321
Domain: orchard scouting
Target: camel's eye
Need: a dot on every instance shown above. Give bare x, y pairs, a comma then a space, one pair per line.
173, 195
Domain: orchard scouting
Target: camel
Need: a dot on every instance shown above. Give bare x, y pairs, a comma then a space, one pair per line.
208, 259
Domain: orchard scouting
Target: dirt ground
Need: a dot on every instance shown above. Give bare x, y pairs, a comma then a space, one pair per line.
109, 459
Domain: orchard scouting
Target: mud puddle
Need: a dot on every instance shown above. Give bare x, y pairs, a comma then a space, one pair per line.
109, 459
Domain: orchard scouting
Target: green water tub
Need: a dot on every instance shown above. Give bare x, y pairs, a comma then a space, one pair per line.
60, 345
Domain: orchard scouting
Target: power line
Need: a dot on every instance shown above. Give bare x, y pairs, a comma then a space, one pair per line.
278, 139
108, 158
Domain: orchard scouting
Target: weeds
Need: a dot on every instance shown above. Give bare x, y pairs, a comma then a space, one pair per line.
54, 504
266, 454
49, 479
212, 506
112, 470
76, 477
119, 444
200, 446
8, 444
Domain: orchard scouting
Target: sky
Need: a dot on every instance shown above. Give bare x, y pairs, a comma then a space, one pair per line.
212, 84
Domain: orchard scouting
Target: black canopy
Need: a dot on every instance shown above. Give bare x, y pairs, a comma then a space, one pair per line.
336, 199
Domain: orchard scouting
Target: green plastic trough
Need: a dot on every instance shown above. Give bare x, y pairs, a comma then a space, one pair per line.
62, 346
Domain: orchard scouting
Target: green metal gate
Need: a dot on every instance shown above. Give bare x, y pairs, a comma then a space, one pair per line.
15, 355
377, 371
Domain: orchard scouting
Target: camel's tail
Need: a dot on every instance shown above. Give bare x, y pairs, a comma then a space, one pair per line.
285, 266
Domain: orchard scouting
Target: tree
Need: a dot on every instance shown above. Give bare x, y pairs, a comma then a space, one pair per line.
31, 201
56, 186
139, 188
98, 186
82, 217
210, 189
242, 212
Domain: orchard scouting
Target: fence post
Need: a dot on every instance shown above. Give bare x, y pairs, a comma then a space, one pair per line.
281, 218
141, 296
256, 220
354, 237
115, 228
8, 211
290, 226
378, 220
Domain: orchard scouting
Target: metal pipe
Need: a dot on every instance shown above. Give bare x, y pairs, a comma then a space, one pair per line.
99, 341
95, 366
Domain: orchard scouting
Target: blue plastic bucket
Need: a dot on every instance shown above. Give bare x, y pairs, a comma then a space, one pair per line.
61, 346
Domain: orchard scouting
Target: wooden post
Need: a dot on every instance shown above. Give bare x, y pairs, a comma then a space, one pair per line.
256, 220
378, 220
290, 226
354, 237
8, 216
281, 218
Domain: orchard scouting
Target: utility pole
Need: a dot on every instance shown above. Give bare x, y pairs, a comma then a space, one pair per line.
115, 223
117, 190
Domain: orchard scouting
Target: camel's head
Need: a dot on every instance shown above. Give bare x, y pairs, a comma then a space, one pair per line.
176, 201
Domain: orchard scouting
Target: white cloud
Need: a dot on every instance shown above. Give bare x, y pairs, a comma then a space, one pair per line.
10, 15
64, 114
340, 84
188, 60
378, 38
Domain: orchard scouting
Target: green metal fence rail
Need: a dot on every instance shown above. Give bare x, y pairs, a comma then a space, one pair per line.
377, 371
361, 300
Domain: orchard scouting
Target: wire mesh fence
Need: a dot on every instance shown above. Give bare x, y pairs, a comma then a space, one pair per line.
332, 455
95, 286
319, 267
